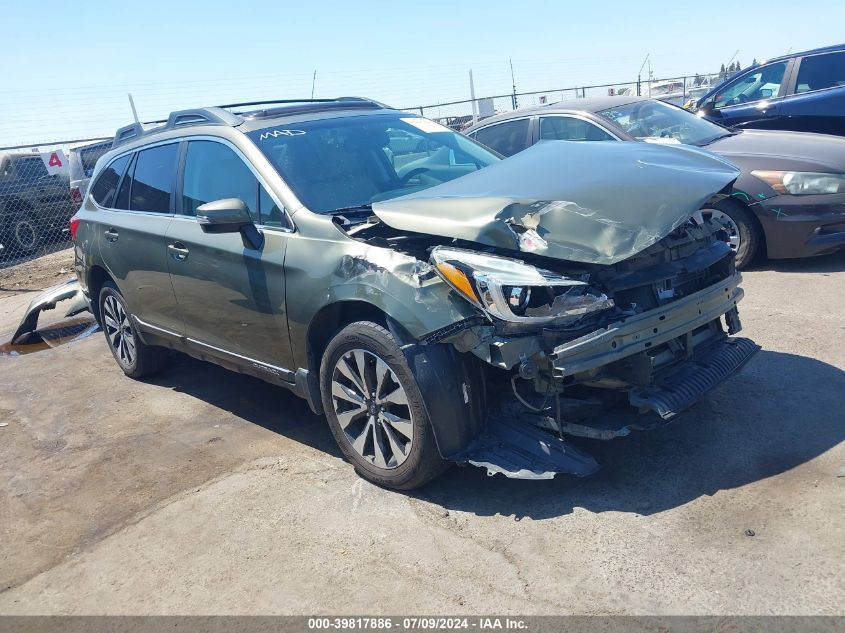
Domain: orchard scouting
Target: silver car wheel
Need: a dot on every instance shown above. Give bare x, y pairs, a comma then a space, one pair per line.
372, 409
119, 331
700, 217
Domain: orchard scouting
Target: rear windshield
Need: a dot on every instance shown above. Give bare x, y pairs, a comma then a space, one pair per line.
89, 156
348, 162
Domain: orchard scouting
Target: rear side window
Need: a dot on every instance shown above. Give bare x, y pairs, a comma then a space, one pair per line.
214, 171
565, 128
105, 189
821, 71
152, 180
507, 138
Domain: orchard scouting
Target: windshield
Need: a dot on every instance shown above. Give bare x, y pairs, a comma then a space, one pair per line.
659, 122
350, 162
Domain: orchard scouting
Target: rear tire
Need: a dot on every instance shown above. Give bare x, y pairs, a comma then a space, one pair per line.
375, 410
134, 357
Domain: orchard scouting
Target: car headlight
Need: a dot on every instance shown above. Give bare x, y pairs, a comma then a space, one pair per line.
512, 290
802, 182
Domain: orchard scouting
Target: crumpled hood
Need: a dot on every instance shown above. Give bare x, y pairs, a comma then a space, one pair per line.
598, 202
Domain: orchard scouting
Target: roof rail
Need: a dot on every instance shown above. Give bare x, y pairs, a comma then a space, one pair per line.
221, 115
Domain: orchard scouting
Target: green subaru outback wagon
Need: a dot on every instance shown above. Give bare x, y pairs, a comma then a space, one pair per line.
437, 303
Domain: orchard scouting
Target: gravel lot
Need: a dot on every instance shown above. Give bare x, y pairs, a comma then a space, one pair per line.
203, 491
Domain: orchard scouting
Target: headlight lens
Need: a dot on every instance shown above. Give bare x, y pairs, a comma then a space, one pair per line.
802, 182
512, 290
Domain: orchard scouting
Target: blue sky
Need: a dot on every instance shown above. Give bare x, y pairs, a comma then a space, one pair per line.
69, 65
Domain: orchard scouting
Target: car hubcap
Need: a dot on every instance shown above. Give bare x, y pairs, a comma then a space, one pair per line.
372, 408
700, 217
119, 330
25, 234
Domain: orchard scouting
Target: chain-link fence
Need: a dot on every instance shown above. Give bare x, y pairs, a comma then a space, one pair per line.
40, 189
461, 114
42, 186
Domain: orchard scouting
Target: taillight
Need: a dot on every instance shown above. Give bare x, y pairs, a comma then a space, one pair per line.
76, 194
74, 226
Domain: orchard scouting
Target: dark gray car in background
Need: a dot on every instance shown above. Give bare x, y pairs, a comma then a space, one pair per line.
789, 200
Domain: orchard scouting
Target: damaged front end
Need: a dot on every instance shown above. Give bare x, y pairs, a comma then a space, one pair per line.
599, 309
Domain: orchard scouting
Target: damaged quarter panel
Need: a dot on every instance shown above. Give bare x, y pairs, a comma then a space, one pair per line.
585, 202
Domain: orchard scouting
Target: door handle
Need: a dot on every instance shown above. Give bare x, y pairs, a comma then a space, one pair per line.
111, 234
178, 251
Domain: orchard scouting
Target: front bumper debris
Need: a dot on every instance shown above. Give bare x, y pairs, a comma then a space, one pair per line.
520, 451
679, 390
70, 290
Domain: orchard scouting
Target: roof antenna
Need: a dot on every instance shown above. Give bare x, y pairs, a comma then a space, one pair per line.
132, 105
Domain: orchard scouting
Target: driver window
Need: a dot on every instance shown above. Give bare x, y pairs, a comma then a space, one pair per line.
213, 172
565, 128
759, 84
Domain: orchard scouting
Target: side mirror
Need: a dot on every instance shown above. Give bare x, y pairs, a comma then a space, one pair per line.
230, 215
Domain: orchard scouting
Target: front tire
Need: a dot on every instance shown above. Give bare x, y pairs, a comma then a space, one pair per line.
134, 357
375, 410
744, 234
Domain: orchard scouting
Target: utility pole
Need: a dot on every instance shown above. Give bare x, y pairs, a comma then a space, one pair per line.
313, 82
514, 102
640, 73
472, 96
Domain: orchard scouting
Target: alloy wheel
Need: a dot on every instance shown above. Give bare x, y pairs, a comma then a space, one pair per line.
372, 409
700, 217
119, 330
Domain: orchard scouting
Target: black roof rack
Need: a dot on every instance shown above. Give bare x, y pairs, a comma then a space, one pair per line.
221, 115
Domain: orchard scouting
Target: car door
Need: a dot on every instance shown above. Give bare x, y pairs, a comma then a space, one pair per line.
562, 127
231, 297
752, 99
816, 100
133, 223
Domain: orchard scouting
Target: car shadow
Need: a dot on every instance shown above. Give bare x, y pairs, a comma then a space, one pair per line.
780, 412
832, 263
251, 399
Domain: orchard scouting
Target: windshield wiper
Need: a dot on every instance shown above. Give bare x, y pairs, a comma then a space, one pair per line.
716, 138
353, 210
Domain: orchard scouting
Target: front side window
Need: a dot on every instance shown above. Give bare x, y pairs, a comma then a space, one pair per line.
507, 138
152, 180
214, 171
104, 190
821, 71
658, 122
352, 162
758, 84
566, 128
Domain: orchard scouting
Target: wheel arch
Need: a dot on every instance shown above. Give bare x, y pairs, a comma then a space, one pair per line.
736, 200
452, 384
97, 277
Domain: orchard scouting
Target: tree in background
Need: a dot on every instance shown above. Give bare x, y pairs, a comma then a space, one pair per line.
698, 79
722, 72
